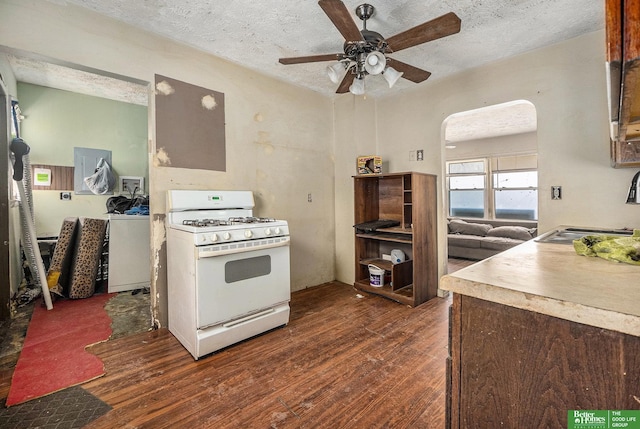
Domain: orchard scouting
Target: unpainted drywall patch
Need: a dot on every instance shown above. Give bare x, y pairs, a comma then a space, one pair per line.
161, 158
159, 234
159, 238
164, 88
209, 102
258, 117
191, 121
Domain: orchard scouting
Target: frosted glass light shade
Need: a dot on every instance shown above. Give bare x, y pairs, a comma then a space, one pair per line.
375, 63
391, 75
357, 87
335, 72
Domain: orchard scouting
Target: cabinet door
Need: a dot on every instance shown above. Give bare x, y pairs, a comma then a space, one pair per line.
521, 369
623, 76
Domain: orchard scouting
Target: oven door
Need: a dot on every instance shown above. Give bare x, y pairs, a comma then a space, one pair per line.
230, 286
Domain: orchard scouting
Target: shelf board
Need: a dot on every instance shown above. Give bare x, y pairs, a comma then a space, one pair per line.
380, 263
403, 296
397, 230
396, 234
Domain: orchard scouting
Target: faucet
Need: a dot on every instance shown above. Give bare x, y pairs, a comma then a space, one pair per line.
634, 190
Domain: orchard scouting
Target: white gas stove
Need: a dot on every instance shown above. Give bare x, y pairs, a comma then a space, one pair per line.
228, 271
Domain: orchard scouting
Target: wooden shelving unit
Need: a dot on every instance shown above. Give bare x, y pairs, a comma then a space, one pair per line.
410, 199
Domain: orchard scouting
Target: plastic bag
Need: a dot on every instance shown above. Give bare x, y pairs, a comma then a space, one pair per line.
102, 180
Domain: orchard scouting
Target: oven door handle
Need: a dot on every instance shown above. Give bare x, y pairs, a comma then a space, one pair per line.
204, 253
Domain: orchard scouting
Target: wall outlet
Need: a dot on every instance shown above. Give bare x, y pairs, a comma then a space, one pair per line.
309, 198
65, 196
420, 155
556, 192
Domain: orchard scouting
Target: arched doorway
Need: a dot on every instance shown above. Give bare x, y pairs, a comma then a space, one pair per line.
490, 164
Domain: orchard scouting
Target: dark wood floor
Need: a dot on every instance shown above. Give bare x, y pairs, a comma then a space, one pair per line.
343, 361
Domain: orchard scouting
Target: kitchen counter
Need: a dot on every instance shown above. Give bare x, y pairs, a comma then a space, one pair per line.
537, 331
553, 280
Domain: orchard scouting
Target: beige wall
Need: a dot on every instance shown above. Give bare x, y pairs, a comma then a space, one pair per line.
514, 144
355, 136
566, 83
279, 137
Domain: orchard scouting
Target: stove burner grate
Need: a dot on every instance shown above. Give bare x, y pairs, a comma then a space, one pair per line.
250, 219
231, 221
205, 222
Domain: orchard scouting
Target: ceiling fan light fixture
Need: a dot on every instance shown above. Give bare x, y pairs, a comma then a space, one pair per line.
357, 87
375, 62
336, 71
364, 50
391, 75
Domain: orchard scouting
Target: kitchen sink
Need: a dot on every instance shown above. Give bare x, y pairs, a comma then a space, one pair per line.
567, 235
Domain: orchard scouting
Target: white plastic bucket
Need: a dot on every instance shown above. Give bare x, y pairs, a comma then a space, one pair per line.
376, 276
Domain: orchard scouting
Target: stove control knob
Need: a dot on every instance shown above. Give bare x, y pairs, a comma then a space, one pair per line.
214, 238
248, 233
277, 230
267, 231
226, 236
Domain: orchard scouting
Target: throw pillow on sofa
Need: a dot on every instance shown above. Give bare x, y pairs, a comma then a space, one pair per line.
514, 232
459, 226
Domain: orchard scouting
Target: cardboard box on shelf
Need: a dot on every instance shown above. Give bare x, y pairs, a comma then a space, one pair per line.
369, 165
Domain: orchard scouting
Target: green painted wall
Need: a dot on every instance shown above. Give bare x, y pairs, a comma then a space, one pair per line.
58, 121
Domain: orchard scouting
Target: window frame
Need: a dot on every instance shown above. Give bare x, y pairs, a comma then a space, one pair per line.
490, 188
495, 189
485, 188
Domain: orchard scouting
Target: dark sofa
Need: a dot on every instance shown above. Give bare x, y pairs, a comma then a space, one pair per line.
481, 238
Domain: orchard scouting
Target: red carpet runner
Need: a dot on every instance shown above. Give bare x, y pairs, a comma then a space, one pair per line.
53, 356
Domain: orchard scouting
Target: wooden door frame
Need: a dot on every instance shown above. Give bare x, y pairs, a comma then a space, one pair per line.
5, 183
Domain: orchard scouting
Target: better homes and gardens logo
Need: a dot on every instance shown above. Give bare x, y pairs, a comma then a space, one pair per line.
603, 419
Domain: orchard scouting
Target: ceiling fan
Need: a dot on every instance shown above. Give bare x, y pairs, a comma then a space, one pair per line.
365, 51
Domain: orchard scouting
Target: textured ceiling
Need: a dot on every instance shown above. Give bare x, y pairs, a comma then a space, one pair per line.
514, 117
255, 34
46, 73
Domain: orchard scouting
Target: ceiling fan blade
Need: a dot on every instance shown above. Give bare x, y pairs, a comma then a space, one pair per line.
339, 15
346, 83
442, 26
310, 59
410, 72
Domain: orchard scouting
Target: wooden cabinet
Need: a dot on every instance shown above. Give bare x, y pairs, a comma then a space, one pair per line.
409, 199
515, 368
623, 67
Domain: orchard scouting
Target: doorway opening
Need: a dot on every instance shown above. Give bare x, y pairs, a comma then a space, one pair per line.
490, 165
56, 95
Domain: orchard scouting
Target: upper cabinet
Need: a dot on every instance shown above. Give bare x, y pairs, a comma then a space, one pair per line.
623, 75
